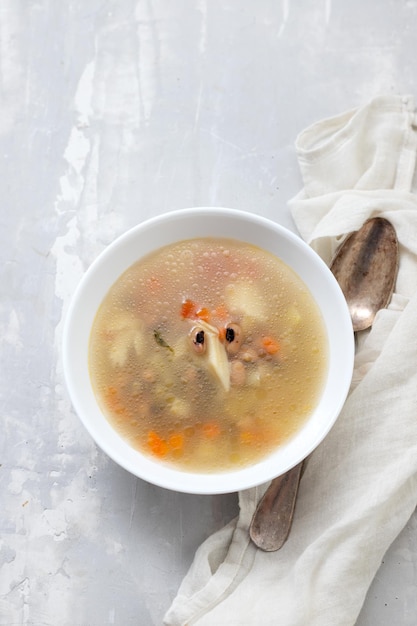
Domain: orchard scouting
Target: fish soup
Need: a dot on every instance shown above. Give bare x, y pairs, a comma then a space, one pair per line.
208, 354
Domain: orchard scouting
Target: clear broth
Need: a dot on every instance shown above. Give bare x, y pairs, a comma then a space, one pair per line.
157, 386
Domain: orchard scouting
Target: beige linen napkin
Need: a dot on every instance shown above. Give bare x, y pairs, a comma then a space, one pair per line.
360, 486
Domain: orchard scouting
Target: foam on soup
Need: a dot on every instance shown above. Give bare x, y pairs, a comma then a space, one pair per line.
208, 354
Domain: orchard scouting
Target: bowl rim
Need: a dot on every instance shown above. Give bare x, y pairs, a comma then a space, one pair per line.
104, 436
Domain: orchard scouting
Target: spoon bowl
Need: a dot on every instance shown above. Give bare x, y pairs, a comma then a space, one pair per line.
365, 266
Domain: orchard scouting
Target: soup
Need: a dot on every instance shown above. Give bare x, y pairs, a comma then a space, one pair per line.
208, 354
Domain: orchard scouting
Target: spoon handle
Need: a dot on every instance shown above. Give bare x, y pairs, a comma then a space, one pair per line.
271, 522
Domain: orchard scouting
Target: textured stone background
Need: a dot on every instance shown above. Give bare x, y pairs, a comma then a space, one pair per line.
112, 111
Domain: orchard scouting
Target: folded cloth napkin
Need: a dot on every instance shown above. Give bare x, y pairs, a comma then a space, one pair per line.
359, 487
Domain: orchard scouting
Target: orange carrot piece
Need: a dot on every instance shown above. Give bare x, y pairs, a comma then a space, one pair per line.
270, 345
157, 445
222, 334
211, 430
203, 314
188, 309
113, 401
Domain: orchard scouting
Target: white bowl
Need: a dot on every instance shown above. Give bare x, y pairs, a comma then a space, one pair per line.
204, 222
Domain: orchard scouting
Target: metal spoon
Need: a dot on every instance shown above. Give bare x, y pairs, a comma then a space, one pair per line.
365, 266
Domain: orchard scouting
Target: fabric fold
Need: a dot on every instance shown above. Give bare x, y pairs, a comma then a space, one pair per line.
359, 487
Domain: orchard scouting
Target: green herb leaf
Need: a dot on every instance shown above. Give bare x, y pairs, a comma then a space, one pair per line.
161, 341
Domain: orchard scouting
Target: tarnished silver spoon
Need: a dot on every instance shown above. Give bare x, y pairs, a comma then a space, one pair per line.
365, 266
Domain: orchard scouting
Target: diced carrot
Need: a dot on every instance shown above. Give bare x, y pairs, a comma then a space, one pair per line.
203, 314
188, 309
113, 401
176, 441
222, 333
157, 445
211, 430
270, 345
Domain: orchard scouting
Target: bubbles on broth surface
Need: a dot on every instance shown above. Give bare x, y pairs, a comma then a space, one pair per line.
215, 408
